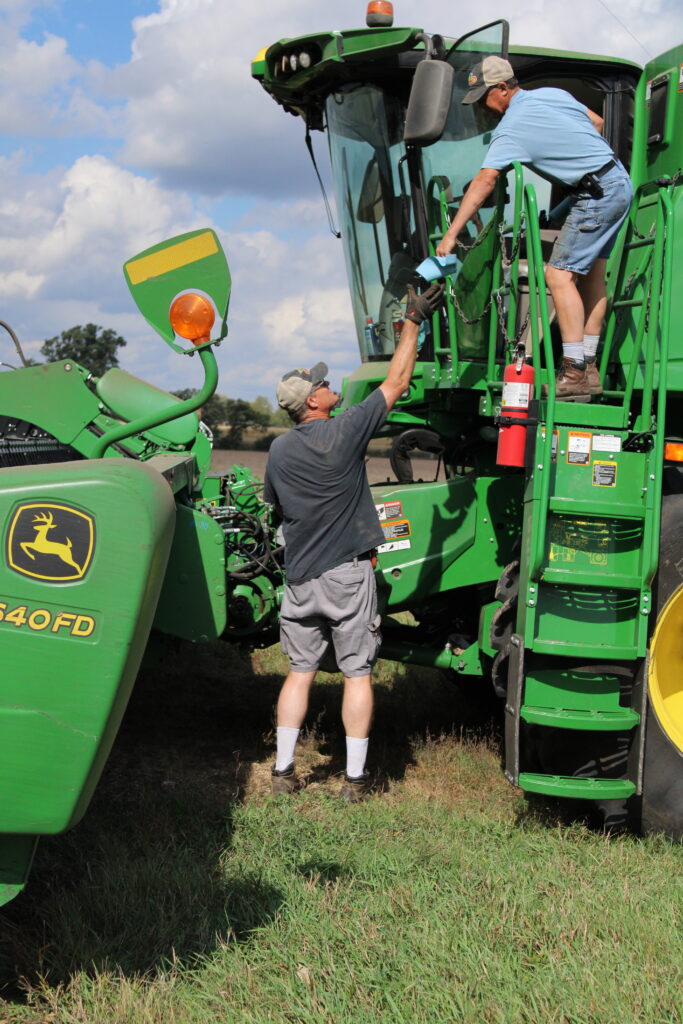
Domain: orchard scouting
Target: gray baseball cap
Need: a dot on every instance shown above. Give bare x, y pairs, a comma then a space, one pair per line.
490, 71
294, 388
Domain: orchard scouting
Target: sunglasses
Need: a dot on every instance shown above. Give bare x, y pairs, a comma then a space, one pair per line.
322, 384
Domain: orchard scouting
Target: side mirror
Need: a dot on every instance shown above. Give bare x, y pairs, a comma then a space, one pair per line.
429, 103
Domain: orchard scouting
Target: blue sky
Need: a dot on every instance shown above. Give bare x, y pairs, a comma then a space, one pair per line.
127, 121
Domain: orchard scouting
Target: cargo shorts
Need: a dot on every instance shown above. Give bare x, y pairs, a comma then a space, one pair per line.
335, 612
592, 225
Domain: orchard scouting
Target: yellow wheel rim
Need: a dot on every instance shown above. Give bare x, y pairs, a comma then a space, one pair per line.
665, 680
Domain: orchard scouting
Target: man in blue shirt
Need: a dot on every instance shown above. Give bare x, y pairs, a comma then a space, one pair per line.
551, 132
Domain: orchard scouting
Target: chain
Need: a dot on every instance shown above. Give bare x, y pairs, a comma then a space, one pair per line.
642, 237
481, 237
507, 262
503, 325
459, 310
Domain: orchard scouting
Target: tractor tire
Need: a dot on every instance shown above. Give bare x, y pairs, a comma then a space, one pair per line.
662, 799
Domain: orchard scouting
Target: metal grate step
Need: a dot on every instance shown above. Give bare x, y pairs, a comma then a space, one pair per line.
580, 789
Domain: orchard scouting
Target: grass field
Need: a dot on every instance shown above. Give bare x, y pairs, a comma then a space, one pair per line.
188, 894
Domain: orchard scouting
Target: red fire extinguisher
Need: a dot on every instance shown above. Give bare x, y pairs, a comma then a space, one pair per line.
518, 391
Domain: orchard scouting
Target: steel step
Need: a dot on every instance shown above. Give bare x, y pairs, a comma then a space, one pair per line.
572, 506
576, 718
603, 580
580, 789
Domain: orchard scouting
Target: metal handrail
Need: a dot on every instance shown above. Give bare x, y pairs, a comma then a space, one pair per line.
661, 324
537, 285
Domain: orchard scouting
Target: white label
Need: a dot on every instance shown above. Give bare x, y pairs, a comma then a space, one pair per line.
579, 443
394, 545
516, 395
606, 443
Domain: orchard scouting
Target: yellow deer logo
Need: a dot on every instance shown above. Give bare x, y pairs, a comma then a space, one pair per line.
43, 546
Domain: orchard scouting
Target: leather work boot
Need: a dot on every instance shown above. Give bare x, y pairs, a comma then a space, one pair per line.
355, 790
593, 377
571, 383
284, 781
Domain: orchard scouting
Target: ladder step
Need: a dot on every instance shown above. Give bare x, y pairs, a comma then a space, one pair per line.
613, 581
640, 242
593, 721
624, 303
581, 649
581, 789
571, 506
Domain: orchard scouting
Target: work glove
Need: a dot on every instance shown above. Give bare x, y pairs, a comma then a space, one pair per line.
422, 307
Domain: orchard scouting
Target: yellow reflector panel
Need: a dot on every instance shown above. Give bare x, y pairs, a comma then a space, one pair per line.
175, 256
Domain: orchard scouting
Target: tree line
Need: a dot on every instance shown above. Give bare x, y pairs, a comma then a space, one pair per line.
229, 419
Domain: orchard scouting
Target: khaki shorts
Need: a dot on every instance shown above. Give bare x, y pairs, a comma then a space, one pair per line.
333, 612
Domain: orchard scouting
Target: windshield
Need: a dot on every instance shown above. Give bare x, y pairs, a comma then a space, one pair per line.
368, 160
368, 156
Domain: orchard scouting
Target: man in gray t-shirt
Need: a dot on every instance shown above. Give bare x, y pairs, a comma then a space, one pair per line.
316, 480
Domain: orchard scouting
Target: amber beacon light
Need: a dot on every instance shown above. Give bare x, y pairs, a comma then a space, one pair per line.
192, 317
379, 13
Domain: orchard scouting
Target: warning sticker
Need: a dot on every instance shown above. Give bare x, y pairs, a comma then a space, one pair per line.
578, 448
516, 395
394, 545
606, 443
397, 528
680, 78
604, 474
389, 510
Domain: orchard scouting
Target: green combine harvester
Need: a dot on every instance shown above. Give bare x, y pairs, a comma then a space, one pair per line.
555, 583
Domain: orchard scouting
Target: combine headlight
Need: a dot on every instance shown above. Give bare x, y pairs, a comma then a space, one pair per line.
305, 60
293, 62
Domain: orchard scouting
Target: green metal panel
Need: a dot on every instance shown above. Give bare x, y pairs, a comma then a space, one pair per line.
441, 536
52, 396
192, 603
84, 551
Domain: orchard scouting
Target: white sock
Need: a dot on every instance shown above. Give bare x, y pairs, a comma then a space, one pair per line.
590, 345
573, 350
286, 742
356, 753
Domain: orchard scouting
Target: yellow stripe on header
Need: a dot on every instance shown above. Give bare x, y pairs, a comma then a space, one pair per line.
158, 263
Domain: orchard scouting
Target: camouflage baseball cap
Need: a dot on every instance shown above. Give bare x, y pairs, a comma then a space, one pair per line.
294, 388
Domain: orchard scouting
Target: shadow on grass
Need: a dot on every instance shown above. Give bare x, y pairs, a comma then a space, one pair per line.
141, 881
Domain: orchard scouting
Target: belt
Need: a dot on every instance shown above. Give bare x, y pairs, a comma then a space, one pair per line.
367, 556
603, 170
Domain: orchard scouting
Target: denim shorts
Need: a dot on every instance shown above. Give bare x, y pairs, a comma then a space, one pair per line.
335, 613
592, 225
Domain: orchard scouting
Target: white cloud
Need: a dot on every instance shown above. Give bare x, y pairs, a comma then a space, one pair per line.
189, 116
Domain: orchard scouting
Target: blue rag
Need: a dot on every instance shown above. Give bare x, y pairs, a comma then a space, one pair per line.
435, 267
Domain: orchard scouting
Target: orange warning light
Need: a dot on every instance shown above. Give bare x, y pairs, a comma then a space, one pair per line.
673, 451
380, 13
192, 317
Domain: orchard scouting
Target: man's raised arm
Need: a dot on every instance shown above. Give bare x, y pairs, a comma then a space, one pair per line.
418, 308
